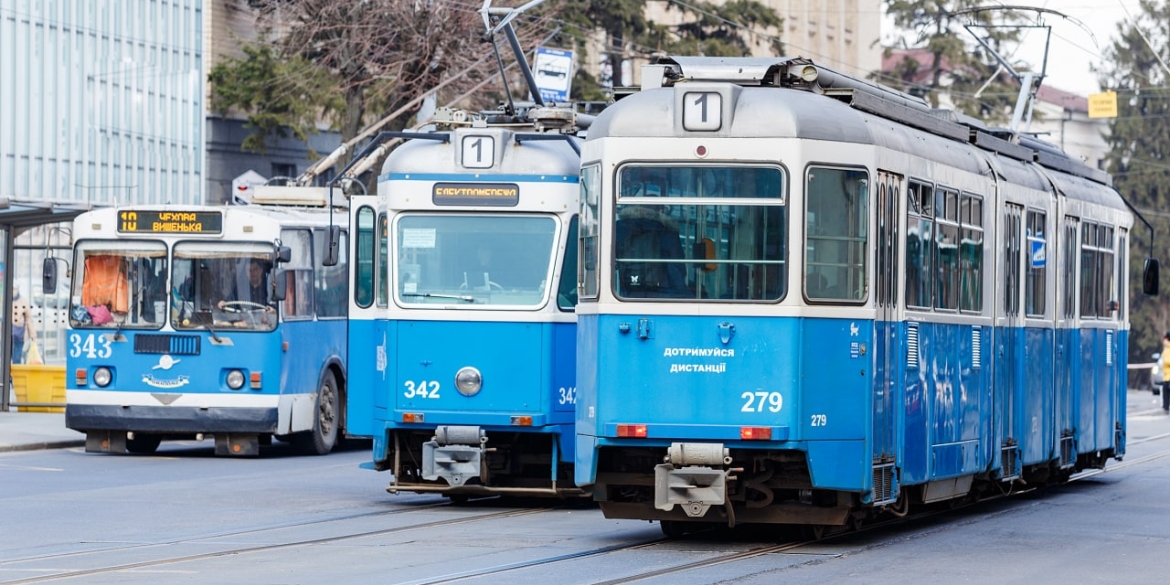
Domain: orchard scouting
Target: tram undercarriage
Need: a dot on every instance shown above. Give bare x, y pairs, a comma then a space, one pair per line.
464, 461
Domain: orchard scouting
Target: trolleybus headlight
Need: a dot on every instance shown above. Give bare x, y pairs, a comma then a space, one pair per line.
235, 379
468, 381
102, 377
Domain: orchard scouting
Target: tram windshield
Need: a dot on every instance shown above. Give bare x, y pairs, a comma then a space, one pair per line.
119, 284
701, 233
222, 286
474, 260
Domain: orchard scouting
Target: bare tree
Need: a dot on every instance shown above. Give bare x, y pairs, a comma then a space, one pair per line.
381, 54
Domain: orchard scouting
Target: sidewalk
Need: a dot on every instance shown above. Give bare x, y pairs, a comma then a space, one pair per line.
26, 431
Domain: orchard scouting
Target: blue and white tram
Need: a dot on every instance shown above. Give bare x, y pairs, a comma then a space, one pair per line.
196, 321
462, 322
808, 299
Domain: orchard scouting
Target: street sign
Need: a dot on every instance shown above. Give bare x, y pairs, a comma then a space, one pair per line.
554, 73
1103, 105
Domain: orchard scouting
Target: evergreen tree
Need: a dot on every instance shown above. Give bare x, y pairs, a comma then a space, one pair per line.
1139, 157
955, 64
731, 28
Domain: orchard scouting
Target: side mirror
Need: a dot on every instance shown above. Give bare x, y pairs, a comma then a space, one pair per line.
332, 246
49, 275
279, 284
1150, 277
283, 253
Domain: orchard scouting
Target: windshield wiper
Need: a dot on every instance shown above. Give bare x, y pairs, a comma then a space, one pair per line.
467, 298
206, 321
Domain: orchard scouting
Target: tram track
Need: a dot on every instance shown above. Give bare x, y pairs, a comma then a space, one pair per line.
753, 552
499, 570
154, 563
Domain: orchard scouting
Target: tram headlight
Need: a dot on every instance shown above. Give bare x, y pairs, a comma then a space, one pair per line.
102, 377
468, 381
235, 379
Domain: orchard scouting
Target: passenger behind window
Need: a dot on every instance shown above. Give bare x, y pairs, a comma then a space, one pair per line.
646, 235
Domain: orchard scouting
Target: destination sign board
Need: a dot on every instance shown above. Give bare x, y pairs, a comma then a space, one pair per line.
481, 194
170, 222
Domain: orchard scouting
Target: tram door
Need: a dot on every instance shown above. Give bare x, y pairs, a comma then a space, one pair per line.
1007, 391
889, 194
367, 322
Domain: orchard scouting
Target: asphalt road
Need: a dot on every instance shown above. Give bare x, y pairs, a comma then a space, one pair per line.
185, 516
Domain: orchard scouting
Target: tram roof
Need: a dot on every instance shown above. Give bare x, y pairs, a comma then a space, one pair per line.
552, 157
817, 100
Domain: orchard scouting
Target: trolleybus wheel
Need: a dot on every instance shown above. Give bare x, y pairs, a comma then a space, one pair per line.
143, 444
323, 437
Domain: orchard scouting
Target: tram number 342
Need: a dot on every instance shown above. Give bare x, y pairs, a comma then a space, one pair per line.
423, 389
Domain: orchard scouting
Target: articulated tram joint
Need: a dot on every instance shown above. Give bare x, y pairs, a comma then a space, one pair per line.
694, 476
455, 453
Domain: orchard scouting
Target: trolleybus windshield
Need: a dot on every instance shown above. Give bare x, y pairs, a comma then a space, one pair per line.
221, 285
119, 284
474, 260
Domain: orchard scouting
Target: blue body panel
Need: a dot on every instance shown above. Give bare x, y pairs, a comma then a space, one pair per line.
945, 425
182, 372
528, 370
367, 375
805, 379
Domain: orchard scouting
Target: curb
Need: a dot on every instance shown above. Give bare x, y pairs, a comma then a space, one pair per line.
42, 445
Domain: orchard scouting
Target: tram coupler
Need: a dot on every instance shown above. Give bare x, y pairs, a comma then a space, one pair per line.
237, 445
693, 476
105, 441
455, 453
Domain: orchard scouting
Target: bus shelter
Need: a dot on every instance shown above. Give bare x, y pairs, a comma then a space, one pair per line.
16, 218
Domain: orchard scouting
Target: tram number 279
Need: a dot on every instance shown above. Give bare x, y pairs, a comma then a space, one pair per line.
759, 401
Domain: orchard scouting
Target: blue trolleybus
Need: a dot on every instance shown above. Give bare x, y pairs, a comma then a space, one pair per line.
808, 299
186, 322
462, 323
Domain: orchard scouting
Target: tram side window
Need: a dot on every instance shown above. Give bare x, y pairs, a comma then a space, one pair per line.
836, 222
971, 253
1036, 276
1013, 250
383, 275
332, 292
364, 258
679, 235
919, 244
1098, 282
1098, 285
946, 210
1069, 268
590, 220
1122, 287
567, 289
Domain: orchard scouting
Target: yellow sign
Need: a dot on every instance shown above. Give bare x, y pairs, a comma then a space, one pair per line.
1103, 105
170, 222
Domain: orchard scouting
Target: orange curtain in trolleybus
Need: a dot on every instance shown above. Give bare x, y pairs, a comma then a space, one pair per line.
106, 284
